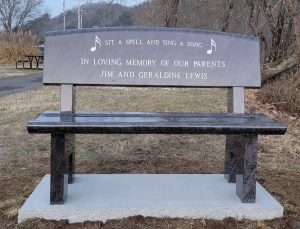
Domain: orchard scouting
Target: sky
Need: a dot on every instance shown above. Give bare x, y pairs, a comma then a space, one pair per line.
54, 7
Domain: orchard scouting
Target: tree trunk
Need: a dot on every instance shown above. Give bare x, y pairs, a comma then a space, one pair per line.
171, 14
296, 24
253, 21
277, 33
228, 15
296, 29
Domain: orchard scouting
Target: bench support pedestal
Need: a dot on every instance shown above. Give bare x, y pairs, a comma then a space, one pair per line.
235, 146
234, 143
246, 174
240, 165
59, 170
67, 107
70, 151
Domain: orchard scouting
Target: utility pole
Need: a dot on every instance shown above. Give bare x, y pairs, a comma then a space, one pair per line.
81, 19
80, 12
64, 11
79, 15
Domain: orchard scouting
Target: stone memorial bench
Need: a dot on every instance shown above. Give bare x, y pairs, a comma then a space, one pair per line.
154, 57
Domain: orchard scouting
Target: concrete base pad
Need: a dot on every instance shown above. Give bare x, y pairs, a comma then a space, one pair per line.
99, 197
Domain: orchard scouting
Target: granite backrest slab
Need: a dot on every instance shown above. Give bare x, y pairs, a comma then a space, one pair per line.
133, 56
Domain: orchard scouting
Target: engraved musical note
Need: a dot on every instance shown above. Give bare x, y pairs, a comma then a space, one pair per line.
97, 41
212, 44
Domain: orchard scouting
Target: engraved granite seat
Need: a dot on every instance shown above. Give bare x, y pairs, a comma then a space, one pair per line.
142, 57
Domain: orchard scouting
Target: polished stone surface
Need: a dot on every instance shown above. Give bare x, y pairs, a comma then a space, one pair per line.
246, 171
59, 170
155, 123
70, 152
234, 151
114, 196
138, 56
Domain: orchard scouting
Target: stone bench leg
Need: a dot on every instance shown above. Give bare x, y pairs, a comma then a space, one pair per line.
70, 151
233, 153
59, 170
246, 174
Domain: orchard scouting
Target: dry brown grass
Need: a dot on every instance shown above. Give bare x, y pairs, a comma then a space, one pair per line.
14, 45
9, 70
25, 158
284, 93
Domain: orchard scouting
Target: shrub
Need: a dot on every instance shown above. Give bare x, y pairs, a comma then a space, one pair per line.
14, 45
284, 93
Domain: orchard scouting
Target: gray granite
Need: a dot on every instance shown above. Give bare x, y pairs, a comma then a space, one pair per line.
151, 57
240, 148
59, 170
234, 151
70, 152
246, 174
155, 123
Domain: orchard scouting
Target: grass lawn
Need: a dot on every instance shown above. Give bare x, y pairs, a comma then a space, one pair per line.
24, 158
9, 70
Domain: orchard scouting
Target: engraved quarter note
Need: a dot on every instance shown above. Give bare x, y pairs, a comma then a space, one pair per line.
97, 41
212, 45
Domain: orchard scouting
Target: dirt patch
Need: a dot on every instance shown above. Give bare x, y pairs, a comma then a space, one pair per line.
28, 160
139, 222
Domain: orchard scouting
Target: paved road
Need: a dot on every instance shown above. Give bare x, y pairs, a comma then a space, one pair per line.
20, 83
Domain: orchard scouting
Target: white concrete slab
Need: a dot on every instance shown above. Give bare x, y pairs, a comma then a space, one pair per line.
99, 197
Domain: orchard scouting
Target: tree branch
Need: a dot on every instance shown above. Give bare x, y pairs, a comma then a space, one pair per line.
273, 70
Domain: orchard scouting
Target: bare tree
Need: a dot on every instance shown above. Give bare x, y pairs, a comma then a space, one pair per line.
227, 15
171, 13
158, 13
280, 27
292, 10
289, 61
296, 24
254, 10
150, 13
15, 13
269, 20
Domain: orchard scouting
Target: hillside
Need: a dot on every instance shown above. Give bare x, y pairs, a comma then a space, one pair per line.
95, 15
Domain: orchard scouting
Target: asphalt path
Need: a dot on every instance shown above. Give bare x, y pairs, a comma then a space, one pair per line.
17, 84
